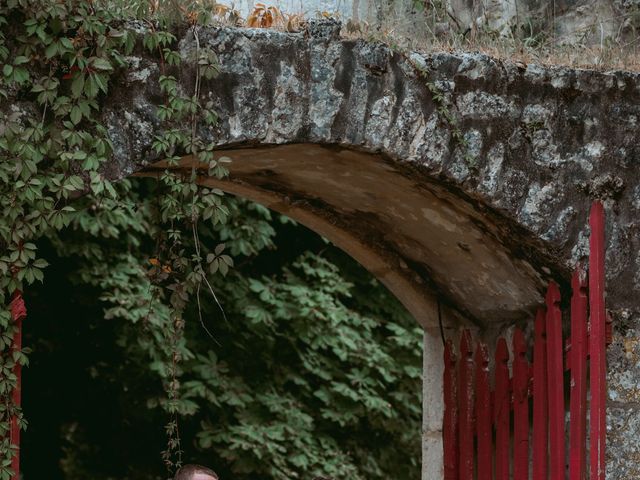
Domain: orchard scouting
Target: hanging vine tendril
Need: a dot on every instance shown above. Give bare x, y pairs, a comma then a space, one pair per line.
61, 57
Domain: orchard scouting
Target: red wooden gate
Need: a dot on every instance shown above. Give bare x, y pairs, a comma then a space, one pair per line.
517, 428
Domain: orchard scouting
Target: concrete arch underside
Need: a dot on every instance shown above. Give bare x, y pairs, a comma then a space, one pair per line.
422, 240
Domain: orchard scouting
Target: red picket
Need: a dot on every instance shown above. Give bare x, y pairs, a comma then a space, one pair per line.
578, 356
597, 342
555, 378
483, 415
465, 407
520, 407
540, 406
18, 314
502, 410
450, 427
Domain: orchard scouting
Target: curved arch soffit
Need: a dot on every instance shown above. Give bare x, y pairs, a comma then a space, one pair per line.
421, 240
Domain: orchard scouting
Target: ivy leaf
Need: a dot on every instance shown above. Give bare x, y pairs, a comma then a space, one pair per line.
20, 75
51, 50
90, 87
40, 263
101, 64
100, 81
66, 42
77, 85
76, 115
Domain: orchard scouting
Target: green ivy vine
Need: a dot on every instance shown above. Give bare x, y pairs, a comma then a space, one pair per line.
58, 61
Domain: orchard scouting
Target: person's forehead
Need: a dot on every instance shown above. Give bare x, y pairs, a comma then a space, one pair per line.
202, 476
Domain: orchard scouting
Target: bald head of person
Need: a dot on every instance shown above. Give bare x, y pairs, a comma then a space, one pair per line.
195, 472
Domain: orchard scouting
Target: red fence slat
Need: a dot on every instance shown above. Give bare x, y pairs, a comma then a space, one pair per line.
450, 427
597, 342
502, 410
578, 355
18, 314
520, 407
484, 433
555, 378
540, 406
465, 407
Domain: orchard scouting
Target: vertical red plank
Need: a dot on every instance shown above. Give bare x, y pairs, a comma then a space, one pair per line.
465, 407
18, 313
578, 356
540, 400
502, 410
555, 377
483, 415
450, 427
520, 407
597, 342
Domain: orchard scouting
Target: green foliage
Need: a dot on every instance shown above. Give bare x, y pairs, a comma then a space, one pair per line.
60, 56
342, 371
316, 370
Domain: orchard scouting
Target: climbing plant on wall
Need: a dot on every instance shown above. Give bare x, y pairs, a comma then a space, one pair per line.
58, 61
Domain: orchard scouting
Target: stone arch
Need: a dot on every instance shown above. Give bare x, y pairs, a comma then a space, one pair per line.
500, 160
416, 236
528, 149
